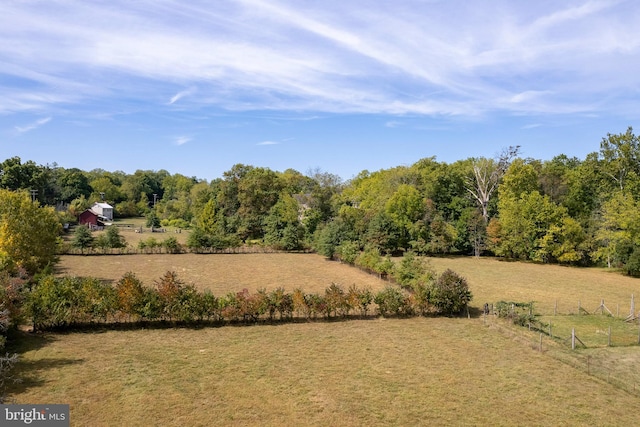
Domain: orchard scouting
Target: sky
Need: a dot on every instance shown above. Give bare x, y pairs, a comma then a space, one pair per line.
341, 86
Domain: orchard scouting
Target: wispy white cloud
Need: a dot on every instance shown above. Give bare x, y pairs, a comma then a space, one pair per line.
181, 140
178, 96
33, 125
289, 55
531, 126
268, 143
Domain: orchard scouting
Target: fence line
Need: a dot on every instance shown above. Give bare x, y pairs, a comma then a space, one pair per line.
590, 359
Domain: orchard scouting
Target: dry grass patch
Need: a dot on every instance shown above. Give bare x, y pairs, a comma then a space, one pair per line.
359, 373
222, 273
492, 280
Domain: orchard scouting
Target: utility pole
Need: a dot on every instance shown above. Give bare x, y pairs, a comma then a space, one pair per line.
154, 199
34, 193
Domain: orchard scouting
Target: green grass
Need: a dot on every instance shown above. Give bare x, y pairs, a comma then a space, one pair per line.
418, 371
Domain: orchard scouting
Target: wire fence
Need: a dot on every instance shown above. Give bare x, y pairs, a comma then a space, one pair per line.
601, 342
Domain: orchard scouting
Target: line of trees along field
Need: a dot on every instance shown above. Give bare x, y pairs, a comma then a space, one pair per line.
563, 210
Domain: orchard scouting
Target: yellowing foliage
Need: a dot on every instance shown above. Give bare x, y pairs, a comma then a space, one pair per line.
29, 233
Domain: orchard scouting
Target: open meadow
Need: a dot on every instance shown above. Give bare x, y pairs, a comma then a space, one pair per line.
415, 371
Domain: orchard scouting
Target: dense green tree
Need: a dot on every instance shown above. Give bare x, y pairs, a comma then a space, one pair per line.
29, 233
282, 226
450, 293
106, 188
553, 179
258, 192
618, 230
521, 177
405, 207
73, 183
82, 238
319, 201
620, 159
585, 191
142, 185
111, 238
524, 222
329, 237
383, 233
152, 219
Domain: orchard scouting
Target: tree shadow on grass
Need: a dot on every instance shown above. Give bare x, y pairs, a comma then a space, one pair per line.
27, 374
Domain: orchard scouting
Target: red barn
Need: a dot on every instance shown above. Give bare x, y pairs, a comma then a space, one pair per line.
90, 218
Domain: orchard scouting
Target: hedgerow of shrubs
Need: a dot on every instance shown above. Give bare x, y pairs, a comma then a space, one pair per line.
61, 302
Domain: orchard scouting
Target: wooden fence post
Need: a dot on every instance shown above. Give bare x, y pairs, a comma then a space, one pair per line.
609, 341
540, 342
573, 339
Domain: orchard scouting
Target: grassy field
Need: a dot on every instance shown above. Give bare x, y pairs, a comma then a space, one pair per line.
360, 373
490, 280
226, 273
416, 371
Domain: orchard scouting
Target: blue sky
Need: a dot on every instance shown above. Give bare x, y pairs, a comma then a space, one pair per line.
196, 87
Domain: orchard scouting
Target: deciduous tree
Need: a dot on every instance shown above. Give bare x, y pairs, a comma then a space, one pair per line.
29, 233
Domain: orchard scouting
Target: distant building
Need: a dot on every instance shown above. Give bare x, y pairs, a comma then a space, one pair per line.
103, 209
99, 215
89, 218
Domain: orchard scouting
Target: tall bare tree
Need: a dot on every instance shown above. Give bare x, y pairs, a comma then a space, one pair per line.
486, 177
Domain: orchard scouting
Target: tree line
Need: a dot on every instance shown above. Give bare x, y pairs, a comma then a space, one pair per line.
564, 210
64, 302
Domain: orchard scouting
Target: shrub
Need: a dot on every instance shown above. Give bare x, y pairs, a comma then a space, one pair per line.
421, 298
171, 245
152, 219
450, 293
210, 306
520, 313
348, 251
169, 288
97, 300
176, 223
281, 302
632, 266
299, 301
149, 245
392, 301
82, 238
335, 300
412, 270
7, 361
151, 306
360, 298
188, 306
113, 238
369, 259
131, 297
10, 300
52, 302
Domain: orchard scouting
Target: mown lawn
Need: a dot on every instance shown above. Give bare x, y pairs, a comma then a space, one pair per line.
418, 371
